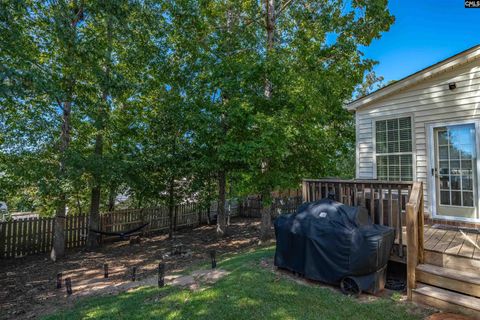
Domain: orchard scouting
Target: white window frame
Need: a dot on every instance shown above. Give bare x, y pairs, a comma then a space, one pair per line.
412, 153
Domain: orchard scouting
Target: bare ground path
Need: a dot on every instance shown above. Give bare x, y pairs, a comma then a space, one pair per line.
27, 285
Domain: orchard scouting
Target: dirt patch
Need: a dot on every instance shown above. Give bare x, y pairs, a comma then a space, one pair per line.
192, 281
28, 285
195, 280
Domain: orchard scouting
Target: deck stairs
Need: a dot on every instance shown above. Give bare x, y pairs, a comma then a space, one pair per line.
449, 283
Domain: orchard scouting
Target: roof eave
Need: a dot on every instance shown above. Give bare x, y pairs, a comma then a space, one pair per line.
442, 66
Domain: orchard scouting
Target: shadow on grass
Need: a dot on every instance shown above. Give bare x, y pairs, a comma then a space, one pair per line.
248, 292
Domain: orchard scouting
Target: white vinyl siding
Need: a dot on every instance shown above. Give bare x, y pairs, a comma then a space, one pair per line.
427, 102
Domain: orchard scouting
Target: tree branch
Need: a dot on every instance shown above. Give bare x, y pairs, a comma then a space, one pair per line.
289, 2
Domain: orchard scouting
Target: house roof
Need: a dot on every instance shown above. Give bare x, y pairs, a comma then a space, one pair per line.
439, 67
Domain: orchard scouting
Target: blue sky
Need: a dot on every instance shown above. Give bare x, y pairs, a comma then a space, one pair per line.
424, 33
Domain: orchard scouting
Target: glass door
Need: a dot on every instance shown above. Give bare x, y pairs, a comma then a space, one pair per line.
455, 171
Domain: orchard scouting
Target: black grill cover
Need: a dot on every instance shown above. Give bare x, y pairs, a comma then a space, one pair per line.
327, 240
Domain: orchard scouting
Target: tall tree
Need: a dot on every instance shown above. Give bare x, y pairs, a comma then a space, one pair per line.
105, 33
226, 85
41, 56
312, 65
67, 16
168, 100
121, 37
270, 26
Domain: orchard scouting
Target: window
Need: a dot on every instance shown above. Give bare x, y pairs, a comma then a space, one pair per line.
394, 149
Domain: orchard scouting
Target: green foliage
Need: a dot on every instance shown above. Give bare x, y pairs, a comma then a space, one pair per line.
176, 89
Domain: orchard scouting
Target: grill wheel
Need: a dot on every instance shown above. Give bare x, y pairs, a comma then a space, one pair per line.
350, 287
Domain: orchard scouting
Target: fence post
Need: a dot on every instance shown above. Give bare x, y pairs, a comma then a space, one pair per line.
161, 274
59, 280
175, 218
240, 208
3, 234
142, 221
198, 209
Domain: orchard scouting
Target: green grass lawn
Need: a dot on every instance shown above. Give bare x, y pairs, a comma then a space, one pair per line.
248, 292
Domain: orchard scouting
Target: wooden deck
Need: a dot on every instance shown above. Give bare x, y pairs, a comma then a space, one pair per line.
442, 263
449, 241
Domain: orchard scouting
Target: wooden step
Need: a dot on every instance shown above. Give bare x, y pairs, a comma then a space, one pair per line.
452, 261
447, 300
460, 281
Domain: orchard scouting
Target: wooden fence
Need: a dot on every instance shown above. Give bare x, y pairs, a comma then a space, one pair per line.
252, 206
385, 201
35, 235
158, 219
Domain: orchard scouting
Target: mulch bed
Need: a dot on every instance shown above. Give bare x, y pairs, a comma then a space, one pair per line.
28, 285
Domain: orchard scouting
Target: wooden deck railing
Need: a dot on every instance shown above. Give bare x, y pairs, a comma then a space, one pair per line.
385, 201
415, 249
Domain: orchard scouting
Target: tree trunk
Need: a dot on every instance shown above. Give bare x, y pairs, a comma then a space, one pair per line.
266, 225
229, 203
221, 216
270, 27
94, 221
79, 205
111, 199
58, 249
95, 197
171, 196
171, 206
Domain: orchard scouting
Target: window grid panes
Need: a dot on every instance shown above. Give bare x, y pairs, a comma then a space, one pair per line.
394, 149
455, 165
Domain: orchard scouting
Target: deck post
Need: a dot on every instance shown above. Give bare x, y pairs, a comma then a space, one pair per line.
304, 191
412, 249
414, 224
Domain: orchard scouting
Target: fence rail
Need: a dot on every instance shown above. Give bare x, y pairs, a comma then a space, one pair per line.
35, 235
385, 201
252, 206
158, 219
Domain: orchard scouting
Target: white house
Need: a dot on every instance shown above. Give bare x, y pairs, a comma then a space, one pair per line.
426, 127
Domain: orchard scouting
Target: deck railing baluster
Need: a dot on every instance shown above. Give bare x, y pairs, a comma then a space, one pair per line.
380, 204
372, 202
400, 227
386, 200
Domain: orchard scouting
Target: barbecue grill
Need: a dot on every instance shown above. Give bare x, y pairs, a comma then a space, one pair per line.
334, 243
